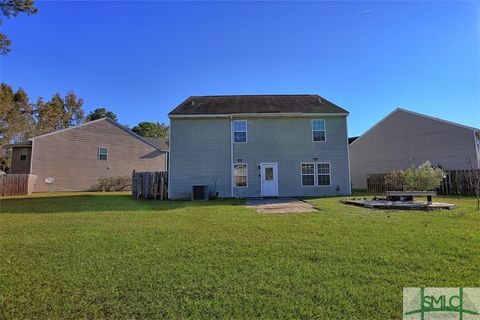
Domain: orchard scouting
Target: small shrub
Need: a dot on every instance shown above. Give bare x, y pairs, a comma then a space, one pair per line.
423, 178
115, 183
396, 179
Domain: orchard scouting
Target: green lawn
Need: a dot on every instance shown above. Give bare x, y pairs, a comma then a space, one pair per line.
94, 255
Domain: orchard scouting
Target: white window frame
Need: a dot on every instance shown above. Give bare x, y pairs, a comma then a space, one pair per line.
23, 154
324, 129
324, 174
234, 176
315, 174
308, 174
246, 131
98, 153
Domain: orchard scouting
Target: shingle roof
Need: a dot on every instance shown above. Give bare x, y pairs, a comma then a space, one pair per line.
159, 142
23, 144
234, 104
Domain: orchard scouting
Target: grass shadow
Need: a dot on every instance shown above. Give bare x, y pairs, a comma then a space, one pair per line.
100, 202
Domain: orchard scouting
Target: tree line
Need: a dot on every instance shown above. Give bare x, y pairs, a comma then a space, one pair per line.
20, 119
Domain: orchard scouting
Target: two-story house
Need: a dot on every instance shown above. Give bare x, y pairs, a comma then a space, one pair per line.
259, 146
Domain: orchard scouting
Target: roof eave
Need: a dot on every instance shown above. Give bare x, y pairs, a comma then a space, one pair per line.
258, 115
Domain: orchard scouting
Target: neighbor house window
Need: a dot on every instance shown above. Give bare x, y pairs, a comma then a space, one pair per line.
323, 174
308, 174
23, 154
240, 130
318, 130
316, 174
102, 153
240, 174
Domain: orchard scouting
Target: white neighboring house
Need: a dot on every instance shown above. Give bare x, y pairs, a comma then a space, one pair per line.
404, 138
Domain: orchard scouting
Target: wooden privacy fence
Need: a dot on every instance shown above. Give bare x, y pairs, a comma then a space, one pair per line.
455, 184
17, 184
150, 185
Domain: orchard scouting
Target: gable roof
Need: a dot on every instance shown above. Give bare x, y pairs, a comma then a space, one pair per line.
159, 142
130, 132
417, 114
253, 104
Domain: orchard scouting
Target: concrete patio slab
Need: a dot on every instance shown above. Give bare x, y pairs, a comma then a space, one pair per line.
278, 205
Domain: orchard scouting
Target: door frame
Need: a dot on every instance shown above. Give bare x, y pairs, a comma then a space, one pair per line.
275, 175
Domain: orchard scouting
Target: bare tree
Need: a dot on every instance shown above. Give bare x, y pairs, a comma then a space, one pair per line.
472, 176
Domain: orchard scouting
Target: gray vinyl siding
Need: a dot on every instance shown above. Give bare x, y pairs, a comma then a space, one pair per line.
200, 154
404, 139
288, 142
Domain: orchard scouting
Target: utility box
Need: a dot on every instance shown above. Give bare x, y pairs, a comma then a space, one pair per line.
200, 192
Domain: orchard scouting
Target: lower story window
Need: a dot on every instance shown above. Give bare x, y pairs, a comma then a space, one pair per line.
308, 174
240, 174
323, 173
316, 174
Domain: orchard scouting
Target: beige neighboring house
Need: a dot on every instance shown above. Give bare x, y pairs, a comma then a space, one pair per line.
78, 156
404, 138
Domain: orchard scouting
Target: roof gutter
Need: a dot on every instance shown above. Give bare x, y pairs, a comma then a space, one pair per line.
258, 115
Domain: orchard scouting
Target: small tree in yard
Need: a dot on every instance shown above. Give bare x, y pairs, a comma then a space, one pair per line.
472, 175
423, 178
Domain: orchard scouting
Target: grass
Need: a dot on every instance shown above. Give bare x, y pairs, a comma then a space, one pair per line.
103, 255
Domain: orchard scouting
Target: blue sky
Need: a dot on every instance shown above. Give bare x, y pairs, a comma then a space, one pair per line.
141, 59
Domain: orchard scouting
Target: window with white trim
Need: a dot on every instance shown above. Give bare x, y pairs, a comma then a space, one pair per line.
318, 130
102, 154
23, 154
316, 174
240, 131
240, 174
323, 174
308, 174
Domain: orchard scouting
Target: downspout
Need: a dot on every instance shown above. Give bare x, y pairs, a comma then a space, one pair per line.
477, 153
169, 191
31, 157
348, 159
231, 156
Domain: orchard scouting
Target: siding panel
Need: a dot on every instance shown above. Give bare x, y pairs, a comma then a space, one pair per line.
200, 154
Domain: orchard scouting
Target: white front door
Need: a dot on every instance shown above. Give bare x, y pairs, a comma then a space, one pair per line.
269, 179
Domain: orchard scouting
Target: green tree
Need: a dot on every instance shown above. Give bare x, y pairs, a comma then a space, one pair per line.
11, 8
152, 129
59, 113
16, 119
100, 113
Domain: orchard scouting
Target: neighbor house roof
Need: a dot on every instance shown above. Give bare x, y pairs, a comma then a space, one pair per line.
419, 115
159, 142
351, 139
23, 144
253, 104
124, 128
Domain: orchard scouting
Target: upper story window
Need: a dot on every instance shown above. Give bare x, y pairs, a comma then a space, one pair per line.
240, 174
318, 130
240, 131
23, 154
102, 153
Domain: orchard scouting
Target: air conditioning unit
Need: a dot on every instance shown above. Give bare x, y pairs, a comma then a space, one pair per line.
200, 192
